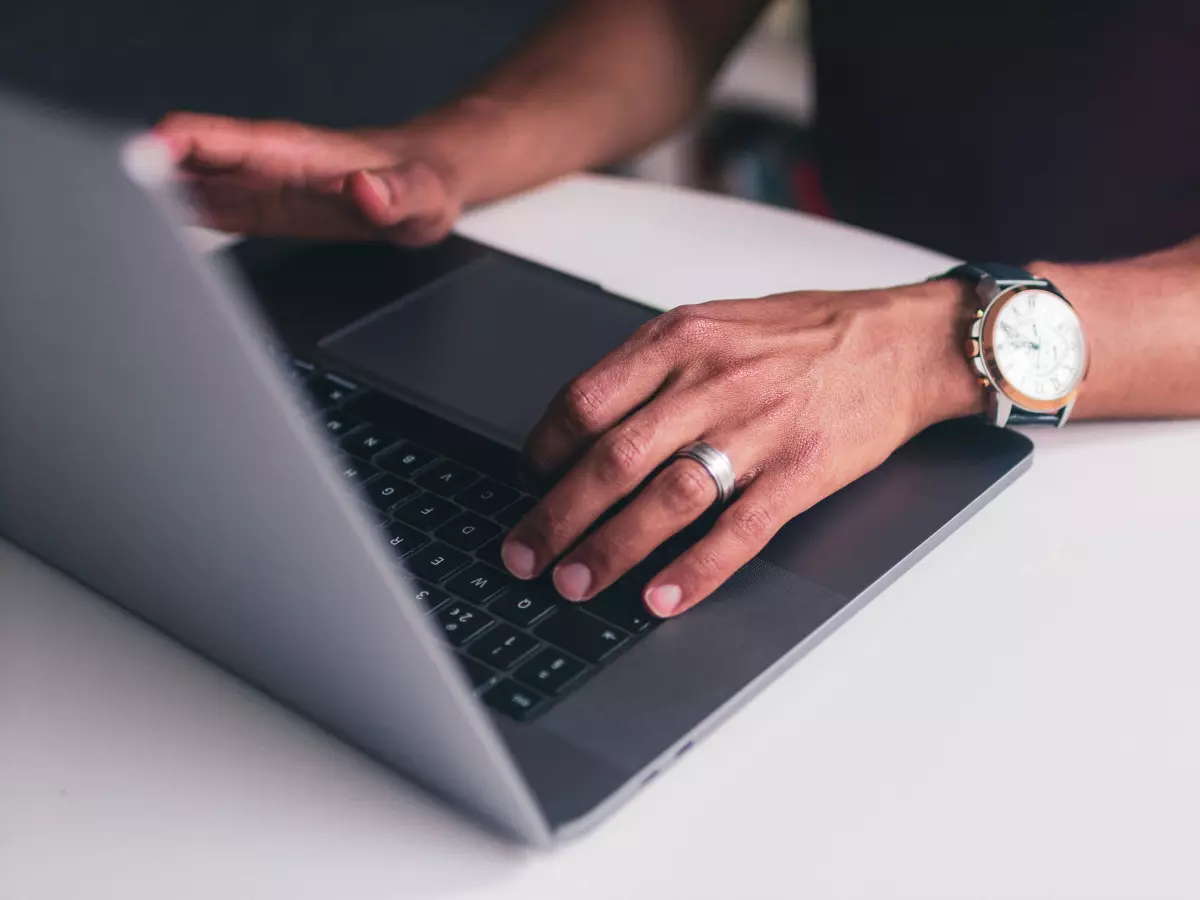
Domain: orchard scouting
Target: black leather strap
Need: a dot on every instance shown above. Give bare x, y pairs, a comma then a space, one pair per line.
1002, 273
1021, 417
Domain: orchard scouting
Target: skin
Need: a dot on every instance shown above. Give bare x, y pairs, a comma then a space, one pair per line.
805, 391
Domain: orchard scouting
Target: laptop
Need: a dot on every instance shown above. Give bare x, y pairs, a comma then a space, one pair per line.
300, 464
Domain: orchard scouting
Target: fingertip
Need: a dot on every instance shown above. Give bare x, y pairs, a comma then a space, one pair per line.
664, 600
374, 194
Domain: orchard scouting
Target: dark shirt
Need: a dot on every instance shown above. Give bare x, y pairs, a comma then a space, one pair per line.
1012, 129
997, 129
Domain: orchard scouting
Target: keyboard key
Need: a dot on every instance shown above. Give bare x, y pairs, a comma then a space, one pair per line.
486, 497
338, 423
512, 700
481, 676
436, 562
468, 531
622, 607
367, 441
356, 471
433, 598
386, 491
479, 583
549, 671
490, 554
447, 478
585, 636
406, 459
503, 647
404, 540
331, 390
427, 511
524, 604
515, 512
461, 622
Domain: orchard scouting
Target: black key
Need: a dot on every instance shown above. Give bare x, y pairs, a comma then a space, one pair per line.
515, 512
404, 540
481, 676
490, 553
479, 583
406, 459
388, 490
461, 622
487, 497
426, 511
468, 531
433, 598
435, 562
331, 390
503, 647
583, 635
447, 478
338, 423
512, 700
623, 607
367, 441
549, 671
356, 471
524, 604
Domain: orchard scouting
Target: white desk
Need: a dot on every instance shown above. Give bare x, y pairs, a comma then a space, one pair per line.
983, 730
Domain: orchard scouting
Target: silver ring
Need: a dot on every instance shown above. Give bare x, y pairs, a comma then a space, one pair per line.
716, 463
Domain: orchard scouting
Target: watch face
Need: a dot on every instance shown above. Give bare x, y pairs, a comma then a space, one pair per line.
1038, 345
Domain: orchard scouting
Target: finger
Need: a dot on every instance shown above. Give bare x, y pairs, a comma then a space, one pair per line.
593, 403
215, 143
281, 212
390, 196
737, 537
677, 497
612, 469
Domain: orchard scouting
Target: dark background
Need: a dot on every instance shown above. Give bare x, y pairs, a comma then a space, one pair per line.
330, 62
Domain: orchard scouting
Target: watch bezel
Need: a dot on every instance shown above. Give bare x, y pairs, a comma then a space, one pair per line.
987, 353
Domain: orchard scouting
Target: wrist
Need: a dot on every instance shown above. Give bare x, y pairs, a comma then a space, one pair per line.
944, 386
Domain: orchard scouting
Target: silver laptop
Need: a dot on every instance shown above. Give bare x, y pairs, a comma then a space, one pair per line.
303, 469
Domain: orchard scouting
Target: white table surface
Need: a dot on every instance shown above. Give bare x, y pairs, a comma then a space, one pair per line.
1015, 717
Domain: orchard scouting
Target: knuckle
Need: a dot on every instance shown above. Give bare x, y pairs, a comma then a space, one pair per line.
549, 528
620, 455
583, 406
706, 564
687, 487
751, 522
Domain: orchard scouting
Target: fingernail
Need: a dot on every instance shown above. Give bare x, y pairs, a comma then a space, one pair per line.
518, 558
378, 186
573, 580
664, 599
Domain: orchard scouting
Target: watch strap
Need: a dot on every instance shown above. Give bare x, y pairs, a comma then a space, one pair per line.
1022, 417
1004, 274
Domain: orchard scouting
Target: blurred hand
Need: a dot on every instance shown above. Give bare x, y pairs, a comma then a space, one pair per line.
804, 392
288, 179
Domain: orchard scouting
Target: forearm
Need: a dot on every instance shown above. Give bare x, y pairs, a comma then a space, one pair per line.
1142, 319
602, 80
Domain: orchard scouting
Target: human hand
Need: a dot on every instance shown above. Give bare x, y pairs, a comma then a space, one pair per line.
406, 184
804, 392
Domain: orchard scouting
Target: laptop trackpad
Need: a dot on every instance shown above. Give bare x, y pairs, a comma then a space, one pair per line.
488, 345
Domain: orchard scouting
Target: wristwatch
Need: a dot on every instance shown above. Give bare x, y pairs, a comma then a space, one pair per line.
1026, 343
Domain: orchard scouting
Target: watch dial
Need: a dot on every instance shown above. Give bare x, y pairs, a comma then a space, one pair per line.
1038, 344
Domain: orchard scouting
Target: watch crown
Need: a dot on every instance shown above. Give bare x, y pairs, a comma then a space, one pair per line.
985, 382
972, 347
979, 313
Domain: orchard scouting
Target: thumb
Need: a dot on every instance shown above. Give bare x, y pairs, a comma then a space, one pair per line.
389, 197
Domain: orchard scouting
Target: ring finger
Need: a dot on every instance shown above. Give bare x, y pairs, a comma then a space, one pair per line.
677, 497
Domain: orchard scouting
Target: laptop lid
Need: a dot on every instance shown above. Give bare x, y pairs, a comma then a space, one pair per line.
153, 449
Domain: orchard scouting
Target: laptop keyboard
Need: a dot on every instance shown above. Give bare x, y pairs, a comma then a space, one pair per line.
522, 646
